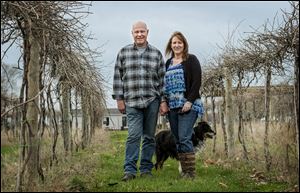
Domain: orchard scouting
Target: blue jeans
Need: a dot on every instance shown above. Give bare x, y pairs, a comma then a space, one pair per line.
182, 128
141, 124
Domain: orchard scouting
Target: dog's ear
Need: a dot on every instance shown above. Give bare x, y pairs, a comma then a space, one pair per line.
205, 127
202, 125
201, 122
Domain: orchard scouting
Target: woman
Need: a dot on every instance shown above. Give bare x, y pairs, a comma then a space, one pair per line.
182, 98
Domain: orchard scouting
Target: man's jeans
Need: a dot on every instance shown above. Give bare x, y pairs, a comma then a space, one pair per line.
182, 128
141, 123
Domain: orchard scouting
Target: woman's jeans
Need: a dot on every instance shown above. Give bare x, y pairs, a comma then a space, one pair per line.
182, 128
141, 124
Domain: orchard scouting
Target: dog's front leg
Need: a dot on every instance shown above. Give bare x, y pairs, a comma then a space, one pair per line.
179, 168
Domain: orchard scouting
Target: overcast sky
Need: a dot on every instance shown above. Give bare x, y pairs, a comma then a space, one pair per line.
204, 24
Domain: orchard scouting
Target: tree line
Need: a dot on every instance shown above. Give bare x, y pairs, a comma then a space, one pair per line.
58, 67
268, 51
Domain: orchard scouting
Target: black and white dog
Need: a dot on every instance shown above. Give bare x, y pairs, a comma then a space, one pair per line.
166, 145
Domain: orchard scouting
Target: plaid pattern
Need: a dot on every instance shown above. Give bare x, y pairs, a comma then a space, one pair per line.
138, 78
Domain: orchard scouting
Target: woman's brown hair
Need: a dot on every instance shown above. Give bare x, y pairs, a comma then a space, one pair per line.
181, 37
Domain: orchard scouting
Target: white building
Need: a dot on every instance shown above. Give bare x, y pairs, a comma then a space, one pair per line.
114, 120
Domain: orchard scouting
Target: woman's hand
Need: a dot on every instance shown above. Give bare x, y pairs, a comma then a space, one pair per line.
186, 107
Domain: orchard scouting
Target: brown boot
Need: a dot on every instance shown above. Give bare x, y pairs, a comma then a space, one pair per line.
187, 161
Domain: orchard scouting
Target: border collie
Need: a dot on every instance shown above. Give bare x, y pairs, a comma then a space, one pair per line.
166, 145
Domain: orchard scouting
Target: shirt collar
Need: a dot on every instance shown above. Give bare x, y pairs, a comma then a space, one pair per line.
135, 46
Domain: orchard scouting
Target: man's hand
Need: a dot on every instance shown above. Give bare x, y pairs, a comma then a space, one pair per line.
163, 108
121, 106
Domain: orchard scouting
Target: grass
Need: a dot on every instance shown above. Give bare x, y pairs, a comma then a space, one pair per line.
108, 171
99, 168
8, 149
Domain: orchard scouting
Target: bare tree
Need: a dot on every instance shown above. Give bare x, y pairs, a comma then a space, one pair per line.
271, 48
213, 87
229, 112
54, 46
290, 41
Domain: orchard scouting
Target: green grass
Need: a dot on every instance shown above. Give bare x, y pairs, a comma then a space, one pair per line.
8, 149
99, 168
9, 154
108, 170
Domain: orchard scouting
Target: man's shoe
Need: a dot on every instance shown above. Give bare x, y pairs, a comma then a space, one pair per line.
128, 177
146, 174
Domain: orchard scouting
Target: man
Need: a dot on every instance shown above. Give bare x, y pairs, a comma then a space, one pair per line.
137, 87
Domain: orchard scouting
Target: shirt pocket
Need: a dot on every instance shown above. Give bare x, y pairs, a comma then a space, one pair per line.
150, 69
